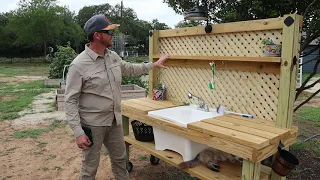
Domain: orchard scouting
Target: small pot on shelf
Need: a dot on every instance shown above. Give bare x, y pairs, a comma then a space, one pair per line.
270, 48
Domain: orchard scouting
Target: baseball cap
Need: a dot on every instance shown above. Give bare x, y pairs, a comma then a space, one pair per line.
97, 23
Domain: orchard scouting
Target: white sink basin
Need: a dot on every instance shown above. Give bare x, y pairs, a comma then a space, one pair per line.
183, 115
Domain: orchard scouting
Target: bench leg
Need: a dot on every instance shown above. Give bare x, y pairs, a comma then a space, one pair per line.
250, 170
125, 125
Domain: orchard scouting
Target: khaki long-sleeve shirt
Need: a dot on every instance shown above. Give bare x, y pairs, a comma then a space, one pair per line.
93, 88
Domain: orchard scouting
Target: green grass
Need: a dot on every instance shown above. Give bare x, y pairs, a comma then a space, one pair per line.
25, 69
30, 133
24, 93
35, 133
56, 124
44, 169
306, 74
312, 145
308, 114
142, 157
51, 156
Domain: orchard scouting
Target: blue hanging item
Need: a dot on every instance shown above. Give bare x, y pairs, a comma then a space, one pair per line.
212, 84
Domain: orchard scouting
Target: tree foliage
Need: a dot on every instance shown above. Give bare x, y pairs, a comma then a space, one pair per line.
62, 57
187, 23
221, 11
127, 18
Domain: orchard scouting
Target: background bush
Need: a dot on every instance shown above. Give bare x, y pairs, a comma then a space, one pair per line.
64, 56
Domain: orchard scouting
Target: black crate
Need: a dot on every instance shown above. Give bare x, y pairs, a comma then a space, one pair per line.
142, 131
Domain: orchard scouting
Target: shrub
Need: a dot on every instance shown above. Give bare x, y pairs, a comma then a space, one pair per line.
62, 57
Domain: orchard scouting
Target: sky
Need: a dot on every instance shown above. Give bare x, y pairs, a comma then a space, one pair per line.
145, 9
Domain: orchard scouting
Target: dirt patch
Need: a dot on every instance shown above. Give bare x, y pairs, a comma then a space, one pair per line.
41, 111
309, 166
18, 79
54, 155
7, 98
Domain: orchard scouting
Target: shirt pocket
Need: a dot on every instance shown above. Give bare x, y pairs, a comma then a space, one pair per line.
116, 72
97, 80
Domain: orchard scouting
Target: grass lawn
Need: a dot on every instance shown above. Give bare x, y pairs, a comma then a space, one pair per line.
305, 75
24, 69
16, 97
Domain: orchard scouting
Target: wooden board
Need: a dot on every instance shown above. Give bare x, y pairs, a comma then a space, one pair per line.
144, 105
228, 171
254, 25
230, 134
250, 132
226, 58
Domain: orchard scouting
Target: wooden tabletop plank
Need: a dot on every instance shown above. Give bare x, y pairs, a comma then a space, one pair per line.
248, 122
153, 105
137, 106
229, 134
164, 103
252, 120
241, 128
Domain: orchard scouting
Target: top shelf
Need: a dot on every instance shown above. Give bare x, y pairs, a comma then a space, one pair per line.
226, 58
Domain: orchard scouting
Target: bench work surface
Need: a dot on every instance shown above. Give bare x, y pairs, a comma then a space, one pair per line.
252, 139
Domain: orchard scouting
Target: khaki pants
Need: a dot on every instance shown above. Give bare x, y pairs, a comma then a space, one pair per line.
112, 138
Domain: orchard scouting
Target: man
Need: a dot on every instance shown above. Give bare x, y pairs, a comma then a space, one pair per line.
93, 95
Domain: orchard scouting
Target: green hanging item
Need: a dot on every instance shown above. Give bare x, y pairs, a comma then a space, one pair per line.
212, 84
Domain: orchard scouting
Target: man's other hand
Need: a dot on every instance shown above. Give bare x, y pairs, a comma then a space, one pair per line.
83, 142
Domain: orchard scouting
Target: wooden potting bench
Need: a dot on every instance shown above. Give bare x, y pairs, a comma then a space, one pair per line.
246, 81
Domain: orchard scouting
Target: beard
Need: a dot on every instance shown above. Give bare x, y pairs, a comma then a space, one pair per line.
106, 41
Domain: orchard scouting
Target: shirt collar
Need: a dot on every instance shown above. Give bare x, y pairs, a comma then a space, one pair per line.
93, 55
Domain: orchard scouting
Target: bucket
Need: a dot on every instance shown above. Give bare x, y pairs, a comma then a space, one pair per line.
284, 163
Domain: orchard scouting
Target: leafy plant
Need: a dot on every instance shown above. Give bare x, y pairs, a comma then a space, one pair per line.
62, 57
133, 80
158, 86
266, 41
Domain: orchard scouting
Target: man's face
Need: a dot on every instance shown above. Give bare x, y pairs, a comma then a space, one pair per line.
105, 37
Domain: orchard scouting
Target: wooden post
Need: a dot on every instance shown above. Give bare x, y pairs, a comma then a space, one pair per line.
125, 126
289, 69
250, 170
153, 49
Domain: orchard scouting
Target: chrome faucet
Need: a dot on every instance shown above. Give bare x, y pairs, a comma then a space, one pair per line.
202, 105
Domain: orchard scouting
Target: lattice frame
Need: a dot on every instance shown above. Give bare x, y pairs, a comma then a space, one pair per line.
228, 44
246, 80
240, 91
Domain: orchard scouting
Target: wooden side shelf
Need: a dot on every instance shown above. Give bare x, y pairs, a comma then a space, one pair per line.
228, 171
226, 58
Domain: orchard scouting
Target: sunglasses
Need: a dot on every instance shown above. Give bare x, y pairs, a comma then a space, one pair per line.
110, 32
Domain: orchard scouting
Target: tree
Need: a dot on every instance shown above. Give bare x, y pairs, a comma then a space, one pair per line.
221, 11
88, 11
187, 23
155, 24
38, 23
130, 24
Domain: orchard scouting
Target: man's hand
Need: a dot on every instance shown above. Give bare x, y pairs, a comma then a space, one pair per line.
83, 142
161, 61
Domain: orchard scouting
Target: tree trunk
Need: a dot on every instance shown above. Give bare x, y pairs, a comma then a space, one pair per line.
45, 48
